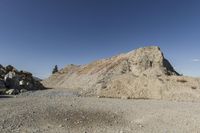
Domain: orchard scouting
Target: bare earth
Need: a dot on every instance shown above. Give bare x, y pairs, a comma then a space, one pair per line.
58, 111
141, 73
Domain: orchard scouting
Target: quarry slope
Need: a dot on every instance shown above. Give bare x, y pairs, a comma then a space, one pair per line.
143, 73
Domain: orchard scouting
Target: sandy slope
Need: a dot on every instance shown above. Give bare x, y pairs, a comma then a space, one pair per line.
57, 111
141, 73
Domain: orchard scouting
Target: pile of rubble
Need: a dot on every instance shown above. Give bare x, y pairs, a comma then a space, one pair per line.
13, 82
143, 73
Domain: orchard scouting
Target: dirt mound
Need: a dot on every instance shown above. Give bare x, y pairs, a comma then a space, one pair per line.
141, 73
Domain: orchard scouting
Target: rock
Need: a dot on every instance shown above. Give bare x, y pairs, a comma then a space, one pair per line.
125, 97
25, 74
2, 72
2, 84
13, 81
23, 90
12, 92
2, 87
9, 75
140, 125
21, 82
9, 68
37, 79
30, 85
61, 126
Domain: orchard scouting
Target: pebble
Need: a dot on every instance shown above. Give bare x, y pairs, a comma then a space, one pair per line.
61, 126
140, 125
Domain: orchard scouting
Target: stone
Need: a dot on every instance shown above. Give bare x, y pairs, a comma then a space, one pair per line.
2, 84
13, 81
21, 82
12, 92
9, 75
30, 85
9, 68
2, 87
61, 126
23, 90
2, 72
140, 125
125, 97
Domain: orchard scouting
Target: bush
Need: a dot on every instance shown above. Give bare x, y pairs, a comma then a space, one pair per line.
55, 69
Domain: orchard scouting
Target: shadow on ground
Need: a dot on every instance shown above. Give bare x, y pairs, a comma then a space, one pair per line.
5, 96
83, 118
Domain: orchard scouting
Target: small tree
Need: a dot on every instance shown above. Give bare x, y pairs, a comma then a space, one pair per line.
55, 69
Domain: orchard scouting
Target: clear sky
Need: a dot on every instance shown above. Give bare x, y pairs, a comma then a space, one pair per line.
35, 35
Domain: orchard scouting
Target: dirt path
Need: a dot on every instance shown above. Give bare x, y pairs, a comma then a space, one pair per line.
57, 111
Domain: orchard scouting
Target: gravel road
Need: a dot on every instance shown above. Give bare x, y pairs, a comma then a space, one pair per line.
58, 111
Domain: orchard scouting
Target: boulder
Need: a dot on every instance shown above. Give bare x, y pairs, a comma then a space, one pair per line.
2, 72
2, 84
9, 68
2, 87
23, 90
12, 92
9, 75
13, 81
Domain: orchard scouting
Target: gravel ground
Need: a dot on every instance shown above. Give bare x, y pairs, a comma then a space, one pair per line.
58, 111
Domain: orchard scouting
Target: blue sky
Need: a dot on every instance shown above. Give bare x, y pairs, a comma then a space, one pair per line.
35, 35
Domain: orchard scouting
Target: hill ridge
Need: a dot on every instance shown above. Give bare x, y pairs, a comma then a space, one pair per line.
141, 73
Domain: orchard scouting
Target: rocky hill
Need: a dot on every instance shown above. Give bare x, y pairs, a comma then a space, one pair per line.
142, 73
13, 81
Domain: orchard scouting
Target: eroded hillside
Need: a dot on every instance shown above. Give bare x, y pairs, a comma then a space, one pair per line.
141, 73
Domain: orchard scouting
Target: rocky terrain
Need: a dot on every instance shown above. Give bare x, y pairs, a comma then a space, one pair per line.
14, 82
146, 83
143, 73
58, 111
